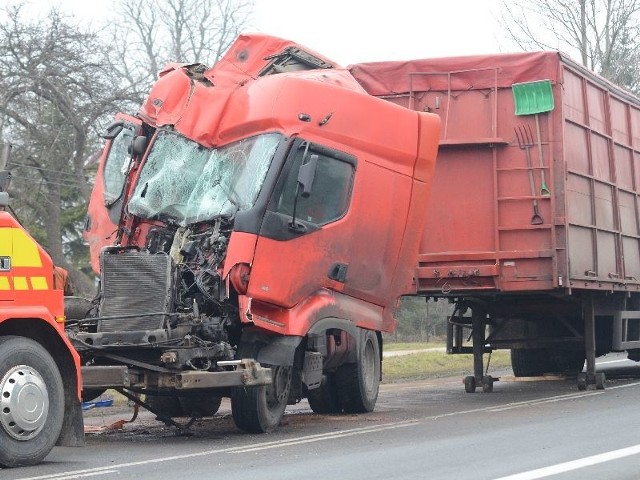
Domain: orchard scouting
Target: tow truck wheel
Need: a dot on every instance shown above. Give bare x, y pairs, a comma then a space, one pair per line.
260, 409
358, 383
31, 402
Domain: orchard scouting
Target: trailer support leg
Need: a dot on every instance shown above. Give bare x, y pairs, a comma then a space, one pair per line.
478, 326
590, 377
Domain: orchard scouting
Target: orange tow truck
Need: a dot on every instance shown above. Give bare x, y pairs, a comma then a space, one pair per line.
40, 381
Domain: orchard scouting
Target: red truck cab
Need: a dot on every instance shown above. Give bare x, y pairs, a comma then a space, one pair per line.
271, 209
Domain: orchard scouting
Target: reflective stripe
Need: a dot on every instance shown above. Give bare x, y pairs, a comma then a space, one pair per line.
20, 283
39, 283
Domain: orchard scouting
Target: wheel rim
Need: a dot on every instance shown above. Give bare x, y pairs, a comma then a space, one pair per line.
278, 392
369, 367
24, 402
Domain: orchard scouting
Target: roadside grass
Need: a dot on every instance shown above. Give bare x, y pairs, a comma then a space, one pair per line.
425, 365
395, 346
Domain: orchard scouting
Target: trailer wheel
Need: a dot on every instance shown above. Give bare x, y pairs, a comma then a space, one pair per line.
324, 399
582, 381
470, 384
530, 362
260, 409
487, 384
358, 383
31, 402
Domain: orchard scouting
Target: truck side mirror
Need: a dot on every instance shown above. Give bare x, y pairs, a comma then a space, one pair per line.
5, 180
306, 174
138, 145
113, 130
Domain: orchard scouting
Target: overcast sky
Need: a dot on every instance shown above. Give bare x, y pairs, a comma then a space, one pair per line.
351, 31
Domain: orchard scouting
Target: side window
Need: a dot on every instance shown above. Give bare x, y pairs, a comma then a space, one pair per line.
116, 164
330, 192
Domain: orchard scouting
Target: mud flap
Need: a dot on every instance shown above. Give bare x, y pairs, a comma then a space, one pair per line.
72, 434
279, 351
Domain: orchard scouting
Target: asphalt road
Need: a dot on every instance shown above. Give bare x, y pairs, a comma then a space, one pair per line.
430, 429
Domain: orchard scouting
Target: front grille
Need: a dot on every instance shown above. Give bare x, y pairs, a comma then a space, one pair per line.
135, 283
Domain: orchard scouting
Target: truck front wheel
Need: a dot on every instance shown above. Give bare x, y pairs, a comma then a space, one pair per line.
358, 383
260, 409
31, 402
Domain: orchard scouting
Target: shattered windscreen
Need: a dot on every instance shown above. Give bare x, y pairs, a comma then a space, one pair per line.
186, 183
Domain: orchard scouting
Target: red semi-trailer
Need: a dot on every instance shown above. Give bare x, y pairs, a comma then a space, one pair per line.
533, 224
253, 226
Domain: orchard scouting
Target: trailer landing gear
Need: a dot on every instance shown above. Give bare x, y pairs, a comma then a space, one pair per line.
478, 379
598, 379
486, 382
590, 377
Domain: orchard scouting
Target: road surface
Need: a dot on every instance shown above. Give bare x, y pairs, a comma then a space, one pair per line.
429, 429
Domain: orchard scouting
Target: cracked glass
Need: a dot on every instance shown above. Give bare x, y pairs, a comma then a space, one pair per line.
117, 164
184, 182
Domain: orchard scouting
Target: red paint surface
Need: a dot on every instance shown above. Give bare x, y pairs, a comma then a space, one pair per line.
478, 234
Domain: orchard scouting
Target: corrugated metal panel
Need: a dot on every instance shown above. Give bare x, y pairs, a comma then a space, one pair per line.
479, 234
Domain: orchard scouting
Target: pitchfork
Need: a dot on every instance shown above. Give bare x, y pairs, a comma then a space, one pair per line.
525, 142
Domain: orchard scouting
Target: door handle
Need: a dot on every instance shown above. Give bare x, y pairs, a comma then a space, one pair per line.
338, 272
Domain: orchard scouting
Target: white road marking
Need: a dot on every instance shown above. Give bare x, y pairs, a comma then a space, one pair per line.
313, 438
624, 386
540, 401
574, 464
626, 360
82, 475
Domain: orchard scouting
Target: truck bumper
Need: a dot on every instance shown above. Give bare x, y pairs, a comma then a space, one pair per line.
247, 373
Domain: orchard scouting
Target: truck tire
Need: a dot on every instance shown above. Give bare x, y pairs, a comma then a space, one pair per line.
531, 362
164, 405
201, 405
358, 383
324, 399
89, 394
28, 431
76, 308
566, 360
260, 409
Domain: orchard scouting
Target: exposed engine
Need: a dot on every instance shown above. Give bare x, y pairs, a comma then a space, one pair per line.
165, 304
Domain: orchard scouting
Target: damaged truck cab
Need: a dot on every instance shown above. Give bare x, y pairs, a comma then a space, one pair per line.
253, 227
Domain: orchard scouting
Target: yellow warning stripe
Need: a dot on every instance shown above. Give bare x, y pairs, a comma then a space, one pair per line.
24, 283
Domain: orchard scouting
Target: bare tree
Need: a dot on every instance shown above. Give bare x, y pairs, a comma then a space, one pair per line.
54, 88
604, 33
150, 34
61, 83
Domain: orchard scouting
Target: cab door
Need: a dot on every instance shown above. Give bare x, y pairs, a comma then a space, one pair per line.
304, 242
108, 195
6, 253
